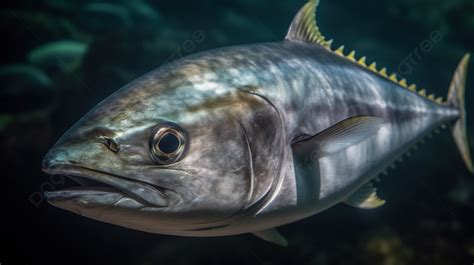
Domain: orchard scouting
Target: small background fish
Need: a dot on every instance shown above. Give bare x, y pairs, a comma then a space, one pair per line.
61, 57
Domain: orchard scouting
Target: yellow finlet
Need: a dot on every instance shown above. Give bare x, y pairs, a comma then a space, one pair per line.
373, 67
394, 78
373, 202
340, 50
439, 100
431, 97
403, 83
329, 43
351, 56
304, 28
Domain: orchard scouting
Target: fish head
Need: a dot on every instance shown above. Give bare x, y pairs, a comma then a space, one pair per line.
170, 163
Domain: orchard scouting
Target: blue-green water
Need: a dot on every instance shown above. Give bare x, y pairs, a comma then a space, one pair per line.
61, 57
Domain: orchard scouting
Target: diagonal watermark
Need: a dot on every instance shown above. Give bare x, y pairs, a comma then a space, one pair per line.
409, 63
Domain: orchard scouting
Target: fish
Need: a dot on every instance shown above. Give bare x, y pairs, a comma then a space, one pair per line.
245, 139
64, 55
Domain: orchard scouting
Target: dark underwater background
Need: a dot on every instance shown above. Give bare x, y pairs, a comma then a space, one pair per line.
61, 57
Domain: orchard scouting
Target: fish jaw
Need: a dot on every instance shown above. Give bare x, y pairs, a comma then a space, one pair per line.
96, 185
116, 199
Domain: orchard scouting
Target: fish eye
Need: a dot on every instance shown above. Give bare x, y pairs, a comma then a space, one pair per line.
167, 143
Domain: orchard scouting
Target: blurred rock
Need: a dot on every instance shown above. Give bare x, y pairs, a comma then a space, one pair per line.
24, 88
64, 55
387, 249
470, 249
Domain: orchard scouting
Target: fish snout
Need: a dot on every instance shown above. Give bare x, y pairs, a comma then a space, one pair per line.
71, 150
59, 156
50, 161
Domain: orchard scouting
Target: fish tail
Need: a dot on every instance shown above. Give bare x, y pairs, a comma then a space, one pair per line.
456, 99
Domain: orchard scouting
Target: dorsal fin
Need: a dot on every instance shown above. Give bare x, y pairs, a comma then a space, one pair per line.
304, 27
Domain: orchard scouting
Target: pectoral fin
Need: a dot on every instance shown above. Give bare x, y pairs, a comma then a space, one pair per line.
272, 236
365, 198
342, 135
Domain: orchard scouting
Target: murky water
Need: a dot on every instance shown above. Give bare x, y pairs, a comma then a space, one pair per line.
61, 57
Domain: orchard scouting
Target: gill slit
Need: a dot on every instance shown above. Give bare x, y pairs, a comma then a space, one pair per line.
272, 193
252, 172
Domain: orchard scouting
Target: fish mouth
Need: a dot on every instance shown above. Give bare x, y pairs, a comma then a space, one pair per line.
98, 187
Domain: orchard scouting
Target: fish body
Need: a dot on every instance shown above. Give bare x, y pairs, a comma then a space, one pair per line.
247, 138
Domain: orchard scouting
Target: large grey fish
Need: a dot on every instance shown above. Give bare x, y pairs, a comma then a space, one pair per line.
244, 139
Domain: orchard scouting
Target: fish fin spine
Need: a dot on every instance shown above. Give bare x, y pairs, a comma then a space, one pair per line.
304, 28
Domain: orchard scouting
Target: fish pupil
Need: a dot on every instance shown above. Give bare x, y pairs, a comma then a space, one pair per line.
169, 143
